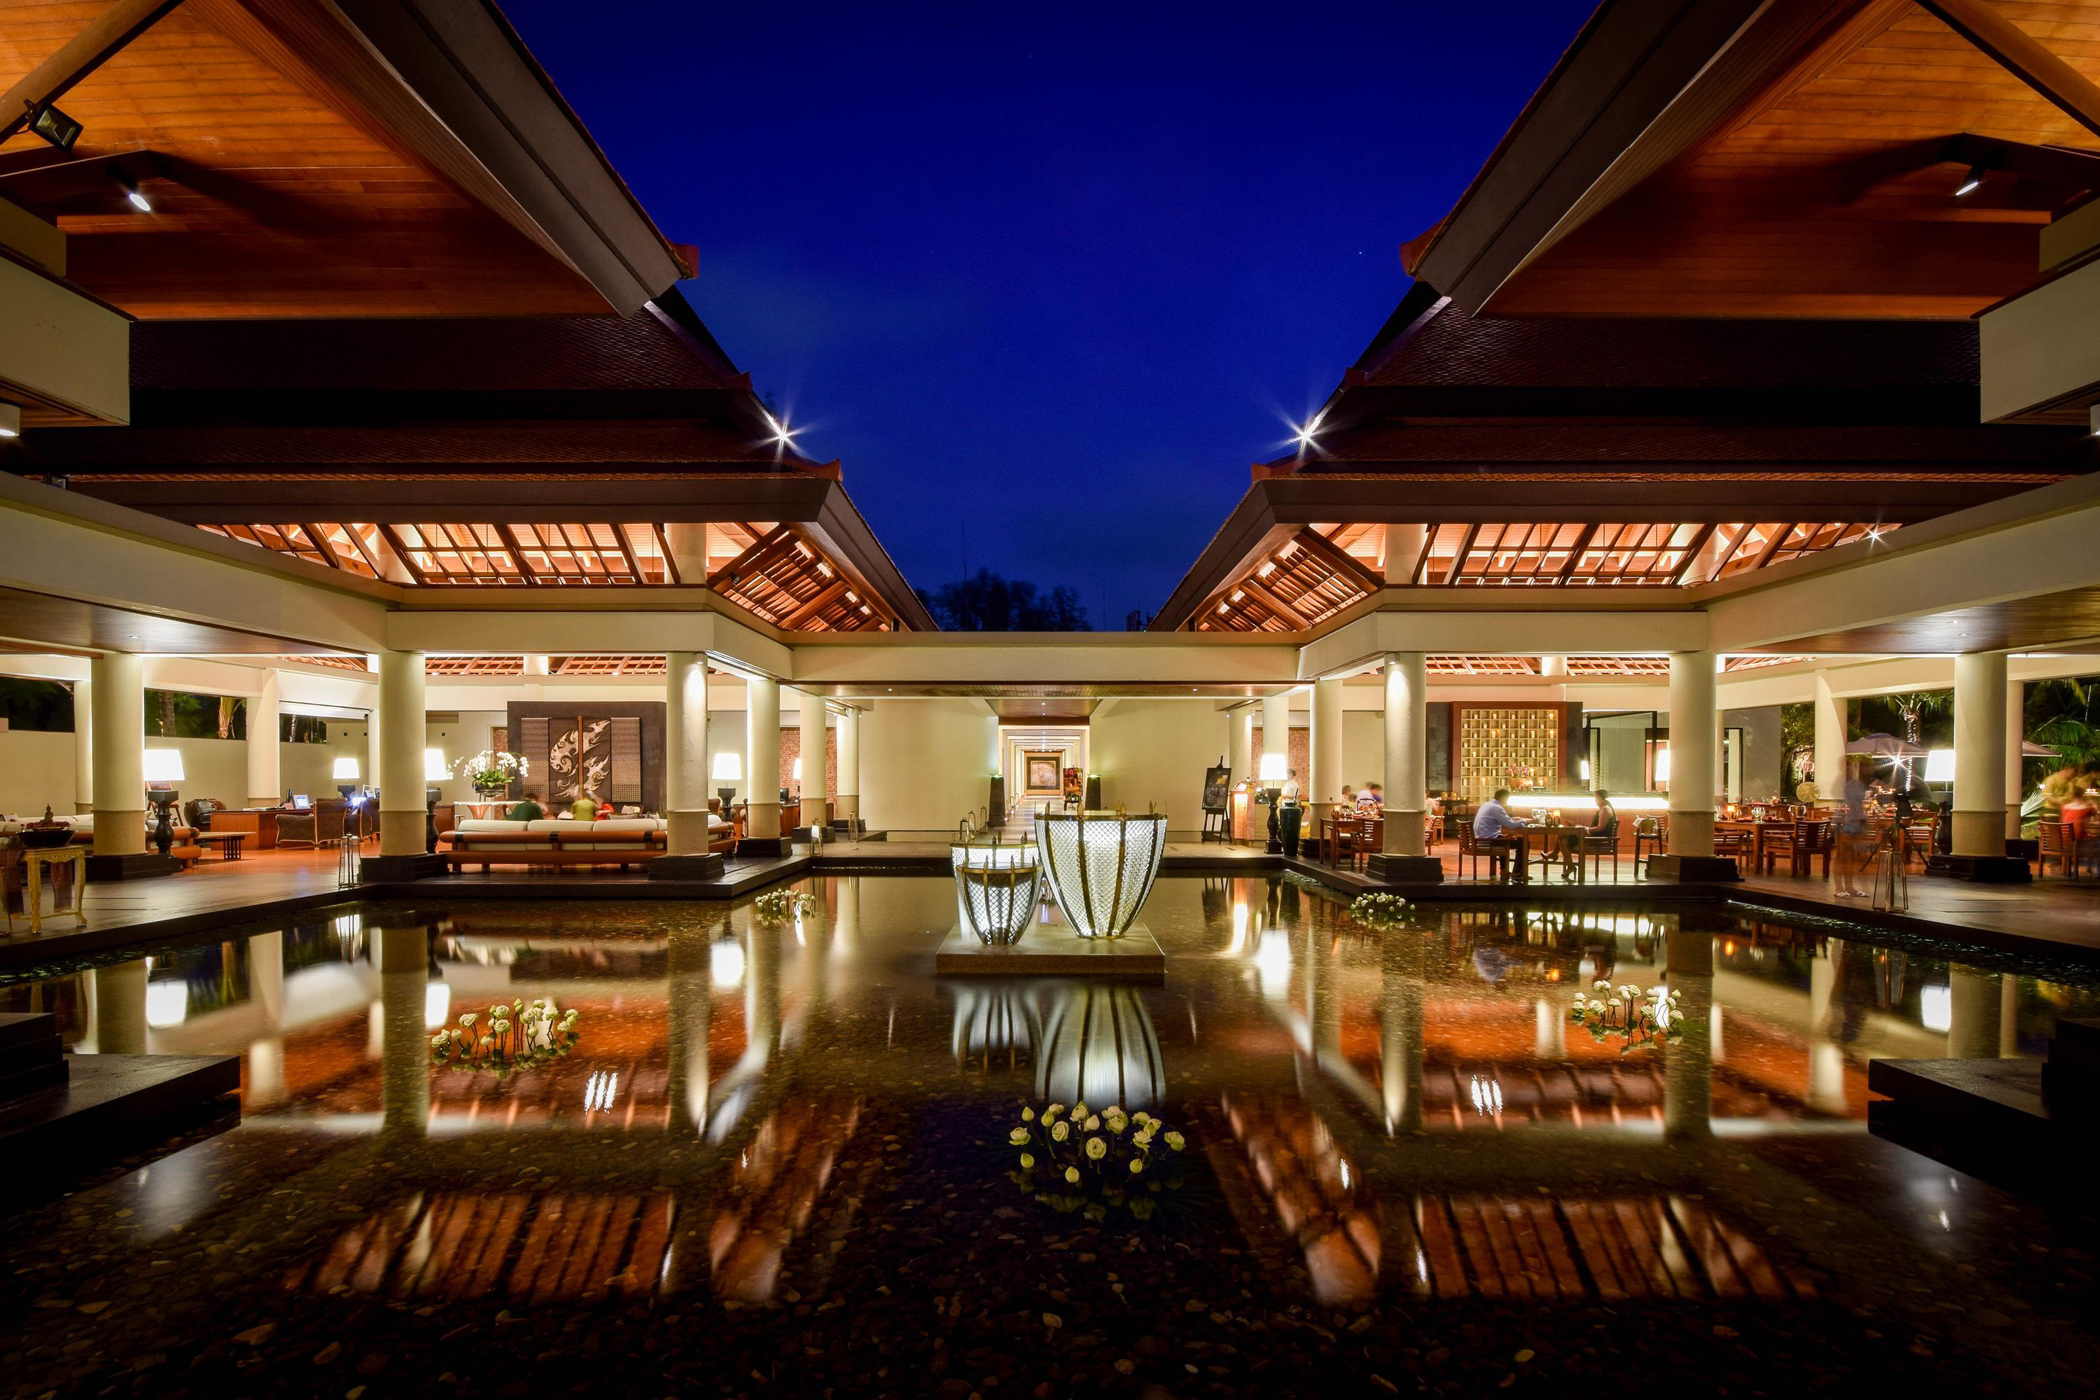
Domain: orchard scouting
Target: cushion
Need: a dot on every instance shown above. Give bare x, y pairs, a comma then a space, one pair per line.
490, 824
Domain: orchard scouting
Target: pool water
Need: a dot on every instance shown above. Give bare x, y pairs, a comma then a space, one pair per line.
794, 1134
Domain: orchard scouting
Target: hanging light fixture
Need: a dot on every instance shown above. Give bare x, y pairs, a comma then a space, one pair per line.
1100, 866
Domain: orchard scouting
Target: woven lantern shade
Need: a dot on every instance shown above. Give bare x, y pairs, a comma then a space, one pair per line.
1100, 865
996, 889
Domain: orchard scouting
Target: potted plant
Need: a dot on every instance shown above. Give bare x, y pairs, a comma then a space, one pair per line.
492, 771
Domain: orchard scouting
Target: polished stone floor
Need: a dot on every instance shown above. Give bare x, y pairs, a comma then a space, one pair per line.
777, 1162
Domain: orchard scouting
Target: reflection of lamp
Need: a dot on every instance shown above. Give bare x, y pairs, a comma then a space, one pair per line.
729, 769
163, 769
1099, 1047
1100, 867
167, 1002
437, 1005
993, 1020
347, 774
435, 769
725, 963
1275, 767
1939, 766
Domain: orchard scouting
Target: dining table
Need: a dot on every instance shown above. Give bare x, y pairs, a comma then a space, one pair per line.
1544, 842
1753, 833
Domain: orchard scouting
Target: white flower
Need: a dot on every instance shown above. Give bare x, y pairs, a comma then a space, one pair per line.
500, 1026
468, 1020
1093, 1123
1143, 1138
439, 1039
1027, 1160
1602, 985
498, 1010
1079, 1110
1052, 1111
1137, 1164
1017, 1136
1114, 1111
1072, 1175
1060, 1130
1616, 1002
1096, 1149
487, 1041
1027, 1115
1175, 1140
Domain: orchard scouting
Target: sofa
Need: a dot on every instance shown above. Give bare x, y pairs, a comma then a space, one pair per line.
561, 841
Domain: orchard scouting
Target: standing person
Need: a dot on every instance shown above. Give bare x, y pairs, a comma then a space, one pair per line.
1291, 789
527, 810
1852, 832
1490, 823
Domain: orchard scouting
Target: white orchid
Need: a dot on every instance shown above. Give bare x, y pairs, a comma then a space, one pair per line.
468, 1020
1093, 1123
1072, 1175
1027, 1160
1027, 1115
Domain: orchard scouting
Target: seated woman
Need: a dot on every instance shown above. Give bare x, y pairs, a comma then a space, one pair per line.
1605, 820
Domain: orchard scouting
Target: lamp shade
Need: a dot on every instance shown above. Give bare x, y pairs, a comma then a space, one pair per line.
996, 889
1101, 866
163, 765
1662, 764
798, 769
1939, 766
346, 769
435, 769
729, 768
1275, 767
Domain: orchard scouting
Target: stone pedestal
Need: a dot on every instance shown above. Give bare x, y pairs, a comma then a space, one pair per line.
1053, 950
132, 865
1981, 870
1694, 869
390, 870
693, 867
765, 847
1404, 870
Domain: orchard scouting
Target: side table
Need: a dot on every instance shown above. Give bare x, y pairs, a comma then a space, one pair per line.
228, 842
33, 862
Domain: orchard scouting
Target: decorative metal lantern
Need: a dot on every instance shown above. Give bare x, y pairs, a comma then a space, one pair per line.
1098, 1048
1100, 866
996, 888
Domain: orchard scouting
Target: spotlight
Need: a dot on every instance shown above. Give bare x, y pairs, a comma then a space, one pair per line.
131, 190
1970, 182
1306, 432
783, 435
55, 126
10, 421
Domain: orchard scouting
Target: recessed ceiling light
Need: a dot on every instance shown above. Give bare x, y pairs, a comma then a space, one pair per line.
1970, 183
10, 420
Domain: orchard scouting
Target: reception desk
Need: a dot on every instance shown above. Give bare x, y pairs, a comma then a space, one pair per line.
258, 824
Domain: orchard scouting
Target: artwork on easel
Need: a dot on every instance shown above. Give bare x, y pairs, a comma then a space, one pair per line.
1217, 800
1075, 787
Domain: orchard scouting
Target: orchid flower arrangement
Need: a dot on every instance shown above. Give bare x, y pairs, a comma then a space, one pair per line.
513, 1037
493, 770
1094, 1162
1622, 1011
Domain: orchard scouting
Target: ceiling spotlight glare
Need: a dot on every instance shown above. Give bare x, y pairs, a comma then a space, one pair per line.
783, 435
1971, 182
10, 421
130, 186
1305, 432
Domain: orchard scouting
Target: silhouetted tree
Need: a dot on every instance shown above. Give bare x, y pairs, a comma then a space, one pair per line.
986, 602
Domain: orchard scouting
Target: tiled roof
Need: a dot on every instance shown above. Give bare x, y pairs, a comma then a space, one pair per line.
579, 442
1453, 348
1982, 446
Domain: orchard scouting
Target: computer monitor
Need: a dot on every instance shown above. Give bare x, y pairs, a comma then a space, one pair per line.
301, 801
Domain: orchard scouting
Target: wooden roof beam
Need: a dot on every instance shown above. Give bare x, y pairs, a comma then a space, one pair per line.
2022, 55
79, 56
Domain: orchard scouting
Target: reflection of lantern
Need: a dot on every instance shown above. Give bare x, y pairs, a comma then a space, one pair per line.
1098, 1048
994, 1021
996, 888
1100, 866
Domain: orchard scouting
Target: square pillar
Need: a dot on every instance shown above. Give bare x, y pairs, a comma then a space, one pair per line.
2015, 765
84, 745
264, 788
847, 805
1830, 742
118, 697
762, 767
1981, 732
1406, 773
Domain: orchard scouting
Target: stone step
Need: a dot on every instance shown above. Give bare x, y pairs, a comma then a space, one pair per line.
32, 1054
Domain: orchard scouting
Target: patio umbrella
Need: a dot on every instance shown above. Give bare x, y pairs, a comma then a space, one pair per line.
2030, 749
1885, 746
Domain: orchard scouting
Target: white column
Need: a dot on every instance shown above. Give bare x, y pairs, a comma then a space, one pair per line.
816, 787
762, 755
536, 664
119, 719
1276, 727
1688, 1082
2015, 736
1694, 729
685, 754
1979, 754
84, 744
1403, 553
688, 542
1240, 754
403, 818
1324, 792
403, 955
1554, 666
263, 771
1406, 751
848, 804
1830, 743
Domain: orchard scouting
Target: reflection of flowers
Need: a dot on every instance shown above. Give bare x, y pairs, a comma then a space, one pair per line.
775, 906
1379, 910
1098, 1174
1620, 1011
519, 1036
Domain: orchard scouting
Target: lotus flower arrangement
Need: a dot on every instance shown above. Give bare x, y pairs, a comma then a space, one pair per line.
509, 1038
1380, 910
1093, 1162
778, 906
1621, 1011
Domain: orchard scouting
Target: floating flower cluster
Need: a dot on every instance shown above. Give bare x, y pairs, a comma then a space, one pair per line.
513, 1037
1095, 1162
1380, 910
1622, 1011
778, 906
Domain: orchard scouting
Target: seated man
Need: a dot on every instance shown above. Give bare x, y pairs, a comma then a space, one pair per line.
1371, 800
1489, 825
528, 810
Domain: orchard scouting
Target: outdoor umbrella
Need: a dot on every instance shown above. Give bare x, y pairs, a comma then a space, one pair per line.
2030, 749
1884, 746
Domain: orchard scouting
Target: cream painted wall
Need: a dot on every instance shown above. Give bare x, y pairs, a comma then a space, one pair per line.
36, 771
463, 738
924, 763
1154, 752
1363, 747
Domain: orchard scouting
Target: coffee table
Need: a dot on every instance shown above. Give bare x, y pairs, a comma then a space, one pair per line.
228, 842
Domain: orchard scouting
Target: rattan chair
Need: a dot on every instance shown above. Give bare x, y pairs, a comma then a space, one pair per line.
1650, 838
298, 829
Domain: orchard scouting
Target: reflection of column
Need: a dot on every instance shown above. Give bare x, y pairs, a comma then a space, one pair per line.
1241, 753
84, 746
847, 805
1693, 721
1325, 789
1550, 1027
688, 1014
120, 1007
1826, 1058
762, 755
1406, 751
2015, 766
1322, 990
403, 817
762, 991
2009, 1018
1688, 1083
1973, 1012
685, 754
119, 703
816, 786
263, 767
1979, 754
1400, 1053
1830, 742
404, 973
1276, 727
266, 994
1719, 1052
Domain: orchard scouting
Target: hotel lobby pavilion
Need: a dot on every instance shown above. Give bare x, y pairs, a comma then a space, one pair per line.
365, 474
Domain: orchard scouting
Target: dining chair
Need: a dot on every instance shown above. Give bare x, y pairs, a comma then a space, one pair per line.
2062, 843
1649, 839
1370, 837
1594, 849
1347, 833
1809, 840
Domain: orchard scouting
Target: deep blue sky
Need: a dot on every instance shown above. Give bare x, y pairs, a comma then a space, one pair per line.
1047, 278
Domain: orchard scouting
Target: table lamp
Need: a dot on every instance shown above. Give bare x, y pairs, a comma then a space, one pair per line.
347, 774
729, 769
163, 769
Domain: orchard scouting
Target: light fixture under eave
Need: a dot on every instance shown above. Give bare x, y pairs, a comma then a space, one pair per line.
783, 435
1970, 183
130, 185
10, 420
1306, 432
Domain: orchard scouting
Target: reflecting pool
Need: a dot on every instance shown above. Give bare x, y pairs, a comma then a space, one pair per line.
778, 1157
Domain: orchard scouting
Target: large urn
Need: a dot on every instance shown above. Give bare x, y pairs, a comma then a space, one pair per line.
996, 889
1100, 866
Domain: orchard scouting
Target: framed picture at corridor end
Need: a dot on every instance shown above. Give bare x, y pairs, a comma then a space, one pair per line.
1217, 783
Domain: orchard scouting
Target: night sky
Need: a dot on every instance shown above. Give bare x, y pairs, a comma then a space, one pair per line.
1047, 279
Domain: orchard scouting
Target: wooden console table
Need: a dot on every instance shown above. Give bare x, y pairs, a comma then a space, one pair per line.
34, 859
